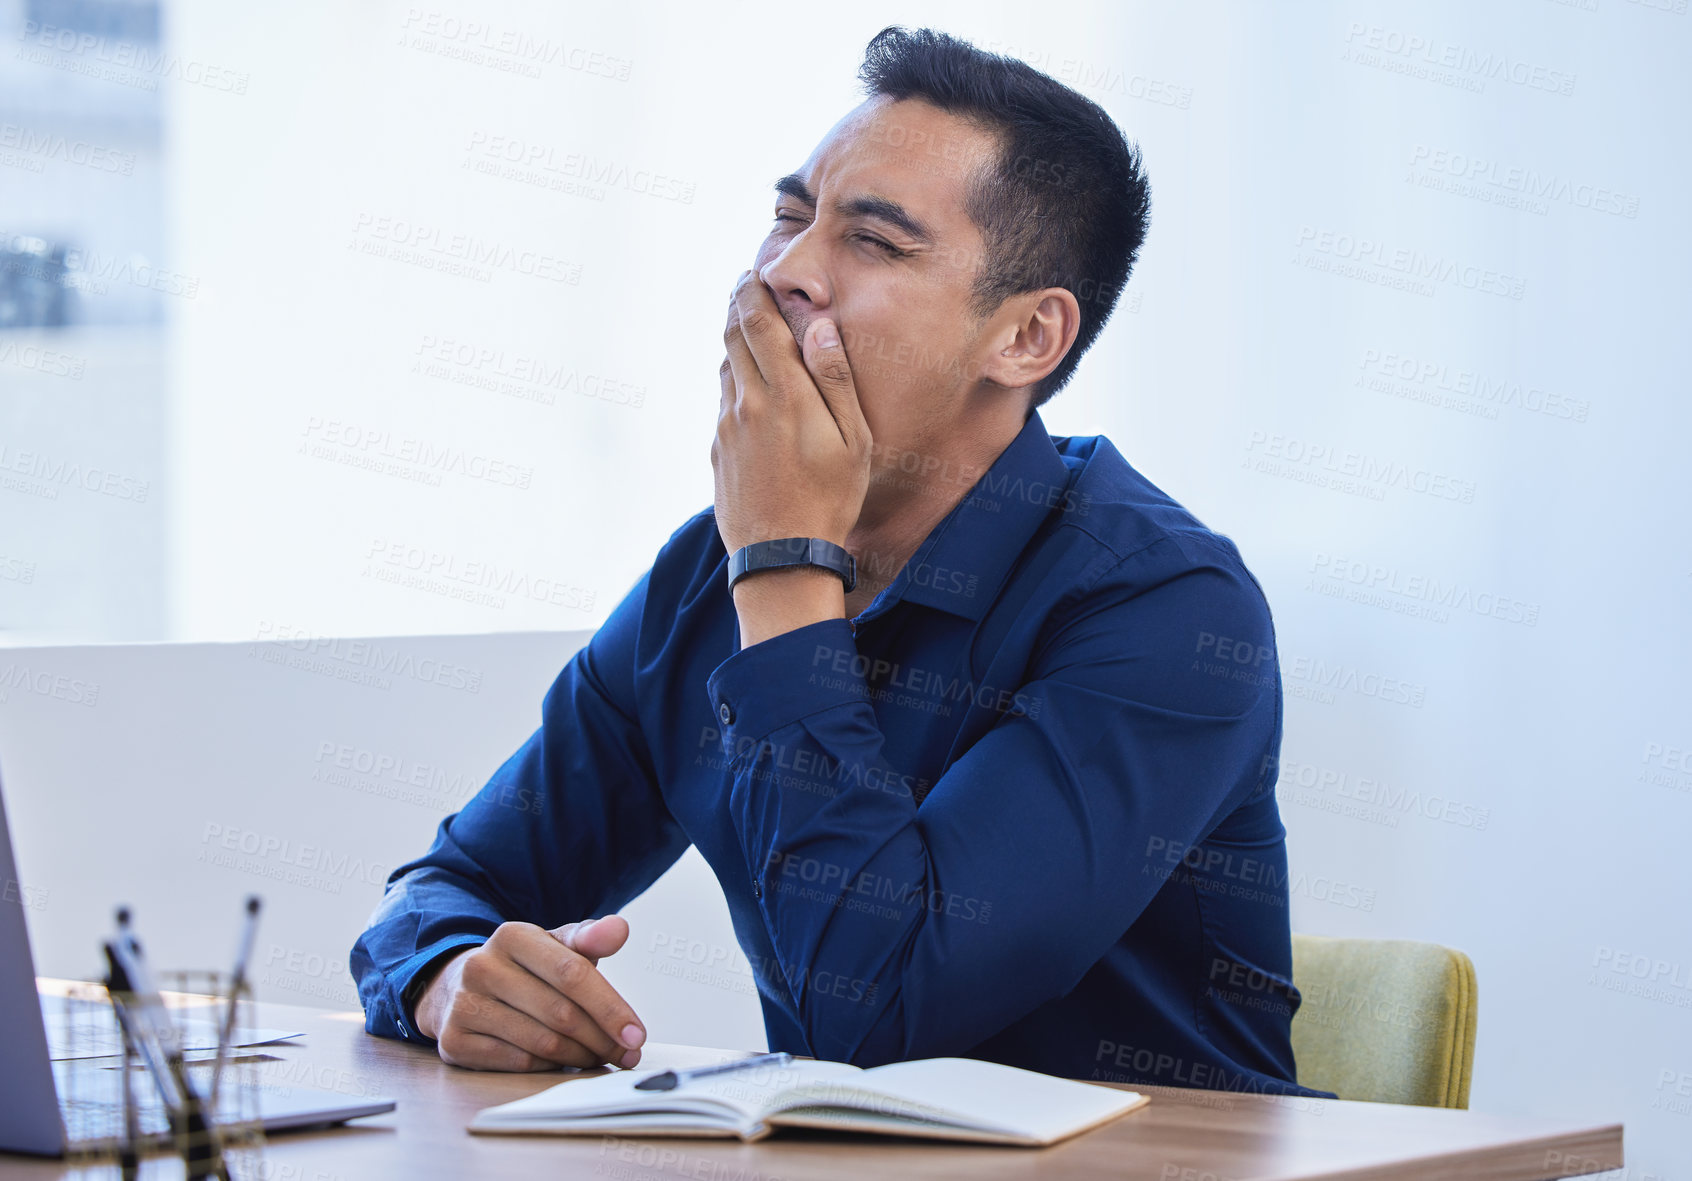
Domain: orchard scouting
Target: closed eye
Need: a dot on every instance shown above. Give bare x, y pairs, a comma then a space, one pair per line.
886, 247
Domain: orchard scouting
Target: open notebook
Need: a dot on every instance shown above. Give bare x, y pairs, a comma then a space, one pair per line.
942, 1098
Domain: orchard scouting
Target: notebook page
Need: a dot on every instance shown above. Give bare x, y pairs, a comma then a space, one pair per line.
857, 1120
669, 1123
735, 1096
756, 1089
1004, 1098
607, 1094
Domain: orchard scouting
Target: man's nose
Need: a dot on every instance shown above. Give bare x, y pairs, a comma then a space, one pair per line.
794, 303
782, 282
796, 278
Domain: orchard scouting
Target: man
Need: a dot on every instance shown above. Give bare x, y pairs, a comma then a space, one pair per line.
990, 771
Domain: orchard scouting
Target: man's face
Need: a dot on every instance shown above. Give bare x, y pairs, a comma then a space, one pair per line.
872, 233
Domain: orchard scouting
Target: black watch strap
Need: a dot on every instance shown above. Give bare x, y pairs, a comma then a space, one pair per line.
793, 551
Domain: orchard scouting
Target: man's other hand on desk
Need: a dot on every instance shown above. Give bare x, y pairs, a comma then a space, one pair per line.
533, 999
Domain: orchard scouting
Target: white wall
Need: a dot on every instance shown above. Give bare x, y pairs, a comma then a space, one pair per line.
178, 778
1509, 636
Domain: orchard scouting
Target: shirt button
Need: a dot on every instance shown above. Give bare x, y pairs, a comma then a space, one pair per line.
725, 713
757, 890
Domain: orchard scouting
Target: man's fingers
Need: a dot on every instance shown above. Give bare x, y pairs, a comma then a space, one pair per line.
569, 932
482, 1051
595, 938
527, 993
571, 974
518, 1030
743, 368
825, 358
765, 332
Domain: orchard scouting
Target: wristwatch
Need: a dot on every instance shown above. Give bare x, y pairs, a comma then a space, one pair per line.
793, 551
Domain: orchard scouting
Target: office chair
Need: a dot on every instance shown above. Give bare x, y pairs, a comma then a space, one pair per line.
1384, 1020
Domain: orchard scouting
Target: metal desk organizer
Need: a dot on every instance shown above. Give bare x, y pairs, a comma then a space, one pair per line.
124, 1066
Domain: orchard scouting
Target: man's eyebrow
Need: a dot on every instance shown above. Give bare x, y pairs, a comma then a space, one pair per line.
879, 208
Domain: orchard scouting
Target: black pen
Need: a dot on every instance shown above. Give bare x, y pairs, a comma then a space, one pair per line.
669, 1080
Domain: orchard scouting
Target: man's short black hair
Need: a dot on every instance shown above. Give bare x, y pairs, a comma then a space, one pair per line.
1066, 205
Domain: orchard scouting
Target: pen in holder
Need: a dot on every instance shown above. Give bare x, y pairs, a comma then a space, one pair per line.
175, 1088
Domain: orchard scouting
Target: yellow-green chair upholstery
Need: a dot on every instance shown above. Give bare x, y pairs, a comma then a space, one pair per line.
1384, 1020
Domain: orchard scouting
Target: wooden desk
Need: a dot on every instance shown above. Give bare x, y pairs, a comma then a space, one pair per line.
1182, 1135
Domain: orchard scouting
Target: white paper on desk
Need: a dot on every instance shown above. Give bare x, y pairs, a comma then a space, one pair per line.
92, 1032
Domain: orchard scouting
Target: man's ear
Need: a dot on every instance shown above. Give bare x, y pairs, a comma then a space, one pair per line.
1030, 337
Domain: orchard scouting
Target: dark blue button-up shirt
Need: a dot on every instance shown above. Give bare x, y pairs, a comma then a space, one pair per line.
1021, 808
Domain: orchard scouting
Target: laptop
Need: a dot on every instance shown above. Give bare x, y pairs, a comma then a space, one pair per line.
50, 1108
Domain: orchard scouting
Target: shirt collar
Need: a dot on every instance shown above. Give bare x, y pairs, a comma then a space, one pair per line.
960, 566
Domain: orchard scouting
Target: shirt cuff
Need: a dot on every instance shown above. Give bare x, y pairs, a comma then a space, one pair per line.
404, 1021
777, 681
